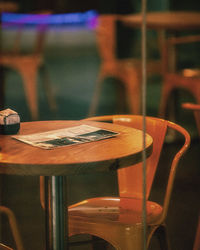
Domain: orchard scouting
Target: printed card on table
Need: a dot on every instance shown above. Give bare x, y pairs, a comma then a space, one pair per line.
66, 136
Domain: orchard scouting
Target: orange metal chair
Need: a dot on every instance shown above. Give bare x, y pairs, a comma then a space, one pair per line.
28, 65
187, 79
127, 71
118, 220
14, 228
195, 108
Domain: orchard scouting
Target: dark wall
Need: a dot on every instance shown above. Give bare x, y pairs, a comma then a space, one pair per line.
185, 5
58, 5
108, 5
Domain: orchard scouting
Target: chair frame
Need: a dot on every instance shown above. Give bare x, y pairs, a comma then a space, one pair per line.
14, 228
157, 228
28, 65
127, 71
172, 79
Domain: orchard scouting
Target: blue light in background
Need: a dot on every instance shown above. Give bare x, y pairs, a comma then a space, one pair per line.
87, 19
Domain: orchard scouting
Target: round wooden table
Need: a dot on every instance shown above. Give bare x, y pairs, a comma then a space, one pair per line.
162, 21
168, 20
19, 158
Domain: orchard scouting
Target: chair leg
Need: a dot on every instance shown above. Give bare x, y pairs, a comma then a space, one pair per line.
28, 71
42, 192
132, 81
166, 91
197, 236
48, 90
13, 225
96, 96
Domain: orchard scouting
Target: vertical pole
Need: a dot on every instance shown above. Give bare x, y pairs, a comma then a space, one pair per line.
56, 214
144, 79
48, 219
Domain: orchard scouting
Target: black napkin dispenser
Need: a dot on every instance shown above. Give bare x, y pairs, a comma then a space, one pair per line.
9, 122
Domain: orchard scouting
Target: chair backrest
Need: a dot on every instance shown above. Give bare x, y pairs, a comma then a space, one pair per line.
195, 108
157, 129
171, 53
130, 179
106, 36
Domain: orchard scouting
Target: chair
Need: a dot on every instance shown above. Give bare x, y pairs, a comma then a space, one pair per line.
14, 229
187, 79
28, 64
118, 220
195, 108
127, 71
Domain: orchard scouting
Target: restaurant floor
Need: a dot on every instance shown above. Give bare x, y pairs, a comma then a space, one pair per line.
72, 61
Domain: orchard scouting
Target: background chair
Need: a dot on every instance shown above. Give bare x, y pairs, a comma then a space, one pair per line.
28, 64
176, 78
118, 220
14, 229
195, 108
127, 71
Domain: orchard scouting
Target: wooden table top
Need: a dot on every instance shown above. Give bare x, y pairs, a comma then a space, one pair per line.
110, 154
171, 20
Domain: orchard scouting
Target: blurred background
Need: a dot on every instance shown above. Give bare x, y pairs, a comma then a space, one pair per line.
71, 62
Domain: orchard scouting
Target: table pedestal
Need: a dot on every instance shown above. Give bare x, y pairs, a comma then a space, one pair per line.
56, 213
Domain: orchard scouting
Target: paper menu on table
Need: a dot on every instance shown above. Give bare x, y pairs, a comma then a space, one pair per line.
66, 136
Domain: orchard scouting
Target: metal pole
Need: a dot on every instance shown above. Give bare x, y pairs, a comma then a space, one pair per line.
144, 80
56, 213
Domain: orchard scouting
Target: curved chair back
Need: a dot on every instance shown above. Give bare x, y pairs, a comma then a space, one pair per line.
130, 179
157, 129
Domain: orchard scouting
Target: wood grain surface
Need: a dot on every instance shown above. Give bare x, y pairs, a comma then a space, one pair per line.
171, 20
110, 154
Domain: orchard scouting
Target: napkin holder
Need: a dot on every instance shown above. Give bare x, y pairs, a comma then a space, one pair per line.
9, 122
